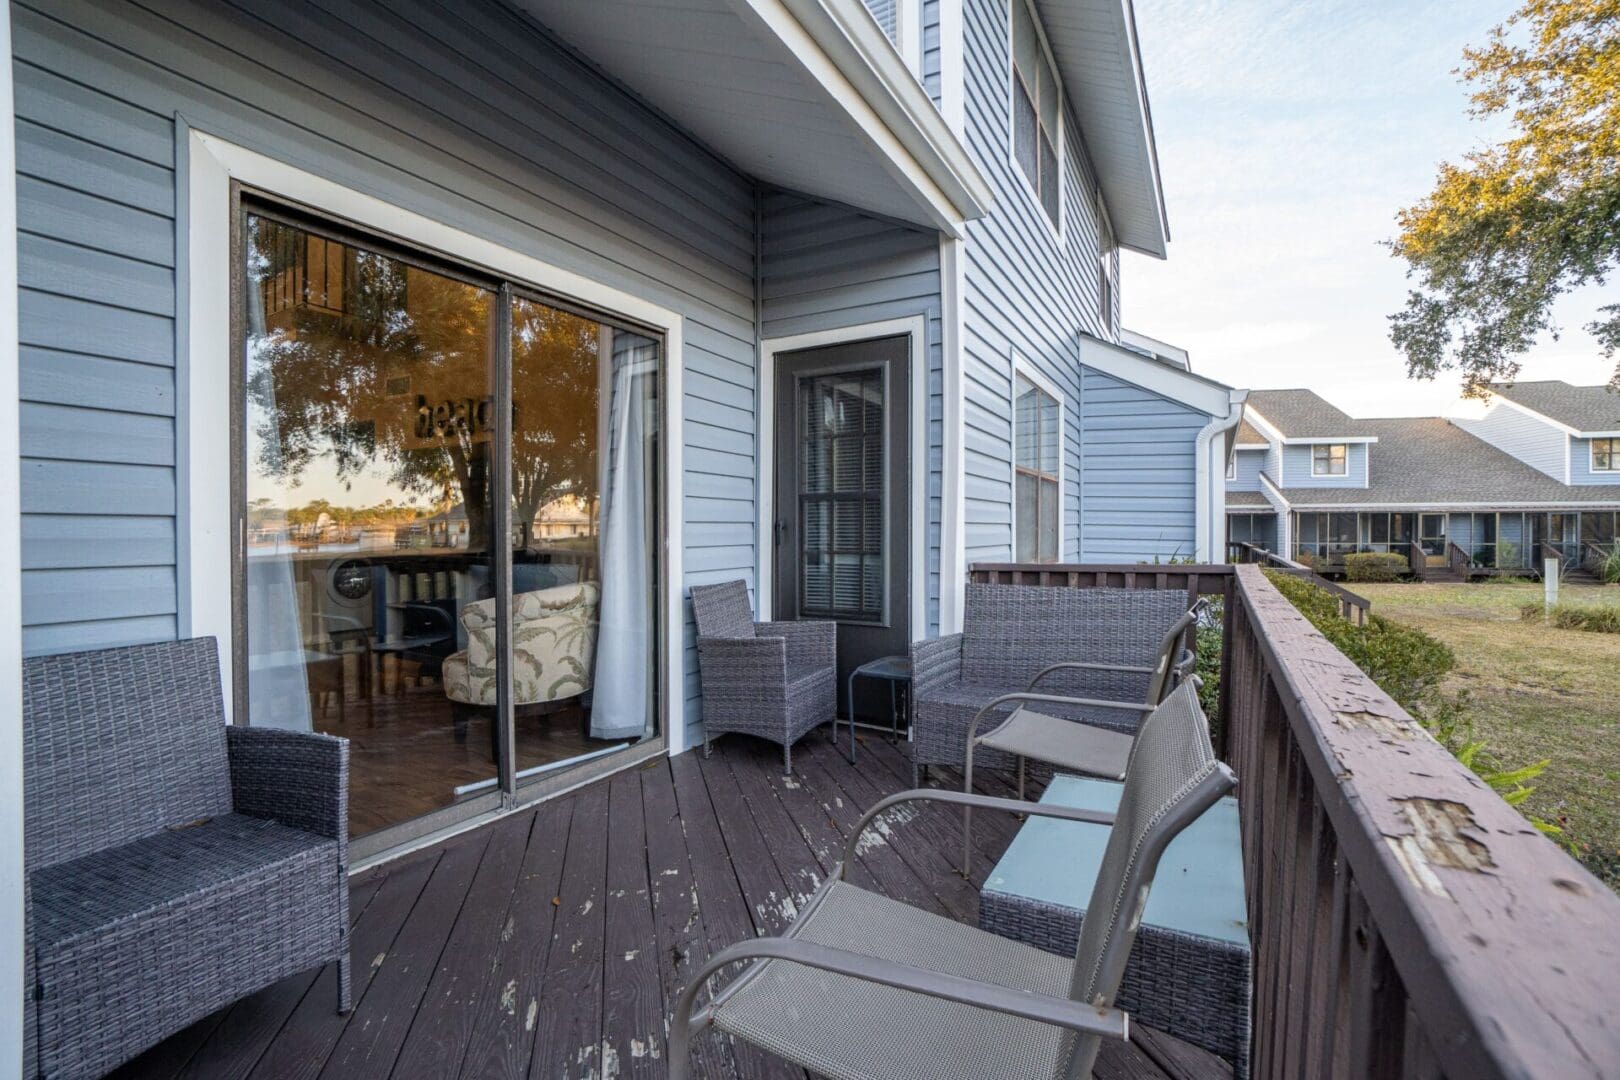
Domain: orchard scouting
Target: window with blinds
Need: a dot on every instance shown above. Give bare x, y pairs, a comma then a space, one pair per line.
841, 557
1036, 113
1037, 499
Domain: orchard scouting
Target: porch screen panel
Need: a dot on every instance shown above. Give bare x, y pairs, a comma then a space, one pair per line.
841, 558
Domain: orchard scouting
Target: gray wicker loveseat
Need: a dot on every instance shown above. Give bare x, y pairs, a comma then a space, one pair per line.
1013, 632
174, 864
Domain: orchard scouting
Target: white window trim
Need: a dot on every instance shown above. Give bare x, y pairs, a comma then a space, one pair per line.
908, 34
1021, 367
1231, 467
205, 510
1057, 229
1330, 446
915, 327
1614, 454
11, 722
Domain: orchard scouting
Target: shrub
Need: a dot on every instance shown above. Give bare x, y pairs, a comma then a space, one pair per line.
1597, 618
1609, 568
1375, 566
1208, 666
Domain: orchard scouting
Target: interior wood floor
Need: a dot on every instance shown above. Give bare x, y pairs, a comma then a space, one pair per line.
405, 759
554, 942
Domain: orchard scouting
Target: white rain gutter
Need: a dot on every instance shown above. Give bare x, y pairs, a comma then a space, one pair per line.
1207, 501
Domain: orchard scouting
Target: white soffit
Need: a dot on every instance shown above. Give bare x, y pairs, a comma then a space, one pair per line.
1094, 44
807, 95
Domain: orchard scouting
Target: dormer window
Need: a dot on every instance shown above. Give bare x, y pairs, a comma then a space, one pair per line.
1330, 459
1606, 455
1036, 114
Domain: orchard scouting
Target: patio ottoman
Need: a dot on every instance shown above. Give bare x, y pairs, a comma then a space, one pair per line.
1189, 973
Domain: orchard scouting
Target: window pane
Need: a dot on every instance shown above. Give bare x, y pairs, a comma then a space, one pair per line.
1049, 434
1026, 425
1051, 184
1046, 90
1025, 527
1049, 520
1603, 453
370, 409
840, 495
1025, 45
1025, 135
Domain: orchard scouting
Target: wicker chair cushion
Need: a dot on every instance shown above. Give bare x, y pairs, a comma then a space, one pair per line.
849, 1029
87, 895
553, 647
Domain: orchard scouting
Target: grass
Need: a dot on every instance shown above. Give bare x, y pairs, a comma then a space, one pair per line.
1536, 691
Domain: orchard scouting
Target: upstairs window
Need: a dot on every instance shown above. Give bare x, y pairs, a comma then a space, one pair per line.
1330, 459
1037, 428
1036, 114
1606, 455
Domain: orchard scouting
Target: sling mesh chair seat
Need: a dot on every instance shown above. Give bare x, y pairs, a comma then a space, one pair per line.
199, 864
866, 988
776, 680
1104, 639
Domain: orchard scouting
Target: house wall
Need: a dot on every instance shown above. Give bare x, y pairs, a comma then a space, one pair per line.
826, 266
1534, 442
1025, 290
1580, 461
1138, 460
1296, 466
885, 12
930, 49
1249, 463
525, 145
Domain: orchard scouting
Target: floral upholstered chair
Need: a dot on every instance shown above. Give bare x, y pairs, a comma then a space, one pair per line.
553, 648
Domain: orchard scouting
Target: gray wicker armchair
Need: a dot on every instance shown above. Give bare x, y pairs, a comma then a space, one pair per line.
776, 680
1014, 633
174, 864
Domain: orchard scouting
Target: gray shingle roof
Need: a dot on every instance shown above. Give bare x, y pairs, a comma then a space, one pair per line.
1248, 434
1431, 461
1246, 498
1584, 408
1301, 414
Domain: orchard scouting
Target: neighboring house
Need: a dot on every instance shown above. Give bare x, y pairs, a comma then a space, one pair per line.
844, 283
1494, 488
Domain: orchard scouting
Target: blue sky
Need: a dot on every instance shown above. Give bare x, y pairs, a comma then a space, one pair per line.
1289, 135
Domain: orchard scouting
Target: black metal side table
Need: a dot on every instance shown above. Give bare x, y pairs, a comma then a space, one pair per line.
894, 670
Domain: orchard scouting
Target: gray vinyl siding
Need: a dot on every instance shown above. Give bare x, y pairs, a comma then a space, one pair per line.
1580, 465
1534, 442
1025, 291
1249, 463
471, 116
1297, 467
827, 266
930, 49
1138, 477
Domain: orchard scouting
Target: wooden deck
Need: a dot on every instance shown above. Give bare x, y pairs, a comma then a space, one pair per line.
552, 943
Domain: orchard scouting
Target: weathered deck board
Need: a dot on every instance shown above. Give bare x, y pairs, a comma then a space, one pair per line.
555, 942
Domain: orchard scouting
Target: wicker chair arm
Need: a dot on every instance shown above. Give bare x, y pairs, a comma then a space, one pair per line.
1060, 1012
813, 642
935, 663
974, 801
298, 778
756, 661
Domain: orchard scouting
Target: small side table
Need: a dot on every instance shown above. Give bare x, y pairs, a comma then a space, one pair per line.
893, 669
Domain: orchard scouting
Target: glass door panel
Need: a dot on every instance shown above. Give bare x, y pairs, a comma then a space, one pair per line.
369, 416
584, 543
1433, 537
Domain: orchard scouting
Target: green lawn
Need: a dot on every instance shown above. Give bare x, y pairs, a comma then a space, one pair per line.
1536, 692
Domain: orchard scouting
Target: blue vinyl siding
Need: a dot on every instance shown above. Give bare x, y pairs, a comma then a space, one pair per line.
828, 266
930, 49
1138, 476
1297, 467
886, 12
1580, 465
1249, 463
472, 116
1534, 442
1025, 292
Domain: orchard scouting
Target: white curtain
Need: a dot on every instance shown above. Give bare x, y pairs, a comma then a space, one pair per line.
278, 687
622, 700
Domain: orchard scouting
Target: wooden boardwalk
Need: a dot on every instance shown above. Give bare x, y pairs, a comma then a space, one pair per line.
552, 943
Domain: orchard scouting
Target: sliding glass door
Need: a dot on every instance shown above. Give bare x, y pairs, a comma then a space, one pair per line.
449, 497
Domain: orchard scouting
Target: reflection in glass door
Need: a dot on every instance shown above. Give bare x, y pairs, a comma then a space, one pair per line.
374, 459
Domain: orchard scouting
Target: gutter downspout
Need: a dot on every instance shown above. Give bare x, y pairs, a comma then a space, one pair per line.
1208, 501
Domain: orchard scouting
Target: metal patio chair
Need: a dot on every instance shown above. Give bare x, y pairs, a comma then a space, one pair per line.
862, 987
776, 680
1081, 643
1074, 743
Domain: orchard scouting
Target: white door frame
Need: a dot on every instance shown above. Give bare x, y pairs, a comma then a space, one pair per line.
212, 163
916, 328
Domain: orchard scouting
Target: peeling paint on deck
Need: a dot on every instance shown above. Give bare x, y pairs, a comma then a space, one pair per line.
1438, 839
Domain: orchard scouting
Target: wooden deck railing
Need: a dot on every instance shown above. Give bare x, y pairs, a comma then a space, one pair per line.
1352, 605
1405, 920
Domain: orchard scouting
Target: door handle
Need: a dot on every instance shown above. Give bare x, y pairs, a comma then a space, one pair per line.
779, 531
